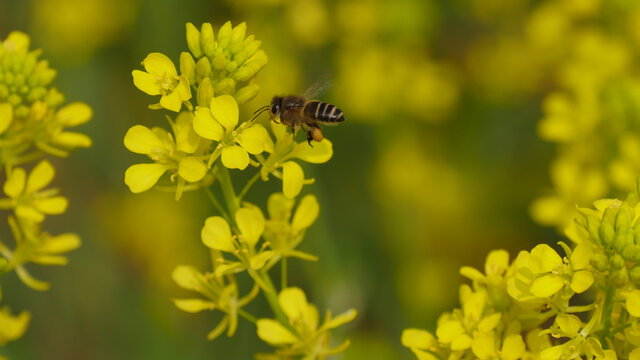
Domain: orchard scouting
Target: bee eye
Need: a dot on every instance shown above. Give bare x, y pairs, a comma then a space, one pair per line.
275, 108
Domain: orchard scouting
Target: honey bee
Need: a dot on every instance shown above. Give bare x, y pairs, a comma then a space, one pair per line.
297, 112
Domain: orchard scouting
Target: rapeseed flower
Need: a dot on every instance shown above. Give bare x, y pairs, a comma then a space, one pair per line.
161, 78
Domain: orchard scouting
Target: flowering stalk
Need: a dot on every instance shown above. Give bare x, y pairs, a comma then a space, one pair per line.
207, 144
33, 123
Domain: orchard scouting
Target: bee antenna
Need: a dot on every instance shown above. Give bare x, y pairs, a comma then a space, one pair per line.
261, 109
259, 112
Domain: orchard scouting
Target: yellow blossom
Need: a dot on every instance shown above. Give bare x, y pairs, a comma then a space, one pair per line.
161, 78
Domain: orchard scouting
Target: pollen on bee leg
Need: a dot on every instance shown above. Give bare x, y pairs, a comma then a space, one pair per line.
316, 134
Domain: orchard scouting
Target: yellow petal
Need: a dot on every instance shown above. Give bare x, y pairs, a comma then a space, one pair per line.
206, 126
513, 347
17, 41
72, 140
60, 244
341, 319
142, 140
6, 116
320, 152
553, 353
634, 355
193, 305
273, 333
146, 82
253, 139
224, 109
171, 101
473, 306
186, 139
159, 64
293, 303
192, 169
547, 285
447, 331
306, 213
74, 114
30, 213
40, 176
216, 234
142, 177
418, 338
235, 157
461, 342
484, 346
183, 88
490, 322
251, 224
580, 257
14, 185
497, 262
51, 206
423, 355
544, 259
292, 179
633, 303
279, 207
258, 261
187, 277
581, 281
569, 324
12, 327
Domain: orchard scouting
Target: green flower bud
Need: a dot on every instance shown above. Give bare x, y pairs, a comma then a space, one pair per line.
188, 67
252, 66
21, 111
47, 76
607, 233
205, 92
634, 274
219, 61
203, 68
636, 256
611, 212
224, 35
623, 220
600, 262
207, 41
247, 93
619, 278
629, 252
225, 86
620, 241
193, 40
237, 37
616, 261
593, 228
14, 99
53, 98
231, 66
36, 94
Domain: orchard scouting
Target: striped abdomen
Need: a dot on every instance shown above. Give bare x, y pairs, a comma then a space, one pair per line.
323, 112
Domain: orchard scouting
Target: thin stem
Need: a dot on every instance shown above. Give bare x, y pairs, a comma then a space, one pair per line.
216, 203
283, 275
248, 186
607, 309
247, 316
272, 299
228, 192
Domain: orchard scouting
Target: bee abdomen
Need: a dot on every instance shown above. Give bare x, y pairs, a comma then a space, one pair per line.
323, 112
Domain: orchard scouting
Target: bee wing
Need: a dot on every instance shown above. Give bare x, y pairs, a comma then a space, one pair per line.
318, 88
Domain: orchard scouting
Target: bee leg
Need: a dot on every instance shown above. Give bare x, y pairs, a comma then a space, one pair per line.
309, 138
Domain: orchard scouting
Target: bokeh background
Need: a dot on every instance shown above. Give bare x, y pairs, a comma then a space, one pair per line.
440, 159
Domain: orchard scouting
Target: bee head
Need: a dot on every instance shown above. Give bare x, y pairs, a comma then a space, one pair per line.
276, 105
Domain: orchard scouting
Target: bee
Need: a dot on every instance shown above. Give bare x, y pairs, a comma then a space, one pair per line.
297, 112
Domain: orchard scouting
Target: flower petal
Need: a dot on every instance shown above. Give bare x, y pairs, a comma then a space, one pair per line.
146, 82
320, 152
253, 139
14, 185
192, 169
293, 303
224, 109
142, 140
216, 234
292, 179
581, 281
12, 327
633, 303
273, 333
159, 64
206, 126
547, 285
544, 259
28, 212
6, 116
193, 305
40, 176
74, 114
51, 206
187, 140
251, 223
306, 213
142, 177
235, 157
60, 244
341, 319
171, 101
72, 140
513, 347
418, 338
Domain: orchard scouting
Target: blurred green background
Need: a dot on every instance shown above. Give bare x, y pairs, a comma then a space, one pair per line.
436, 164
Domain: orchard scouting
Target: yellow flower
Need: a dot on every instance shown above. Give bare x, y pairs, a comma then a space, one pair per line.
218, 122
304, 337
27, 197
161, 78
12, 327
177, 156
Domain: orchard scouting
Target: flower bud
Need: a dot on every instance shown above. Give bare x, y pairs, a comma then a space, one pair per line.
619, 278
35, 94
237, 37
224, 35
53, 98
607, 233
14, 99
629, 252
593, 227
616, 261
188, 67
203, 68
623, 220
193, 40
205, 92
219, 61
600, 262
207, 41
231, 66
247, 93
252, 66
620, 241
225, 86
634, 274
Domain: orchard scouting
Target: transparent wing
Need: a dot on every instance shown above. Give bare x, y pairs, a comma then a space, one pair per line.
318, 88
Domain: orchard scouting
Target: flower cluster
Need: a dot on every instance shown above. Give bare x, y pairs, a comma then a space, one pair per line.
531, 308
33, 123
207, 139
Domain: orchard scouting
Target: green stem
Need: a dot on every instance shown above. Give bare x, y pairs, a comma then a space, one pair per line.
283, 275
247, 316
272, 299
216, 203
607, 309
228, 192
248, 186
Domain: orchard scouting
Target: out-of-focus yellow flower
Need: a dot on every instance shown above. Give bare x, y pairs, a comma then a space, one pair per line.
161, 78
27, 197
309, 22
305, 336
12, 327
